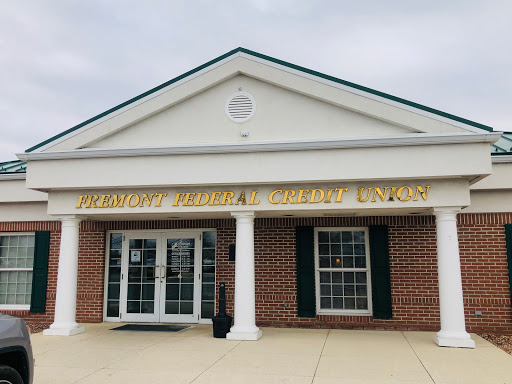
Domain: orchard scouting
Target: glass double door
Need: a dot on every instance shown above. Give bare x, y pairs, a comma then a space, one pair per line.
161, 277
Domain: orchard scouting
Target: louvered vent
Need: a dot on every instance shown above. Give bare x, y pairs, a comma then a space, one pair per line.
240, 107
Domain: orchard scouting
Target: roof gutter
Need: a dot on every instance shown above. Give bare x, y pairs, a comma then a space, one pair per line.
13, 176
502, 158
273, 146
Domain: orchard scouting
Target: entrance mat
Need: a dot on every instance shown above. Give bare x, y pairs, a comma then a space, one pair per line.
150, 327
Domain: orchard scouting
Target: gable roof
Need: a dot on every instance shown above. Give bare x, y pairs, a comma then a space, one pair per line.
276, 61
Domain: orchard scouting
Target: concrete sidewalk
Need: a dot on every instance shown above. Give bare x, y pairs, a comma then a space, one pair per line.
296, 356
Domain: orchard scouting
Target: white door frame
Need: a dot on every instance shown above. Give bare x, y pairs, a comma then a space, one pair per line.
123, 285
139, 317
178, 318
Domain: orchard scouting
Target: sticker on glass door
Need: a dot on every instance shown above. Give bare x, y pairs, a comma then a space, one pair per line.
180, 281
160, 281
141, 276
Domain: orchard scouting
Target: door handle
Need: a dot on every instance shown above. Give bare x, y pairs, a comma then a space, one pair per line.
154, 272
165, 271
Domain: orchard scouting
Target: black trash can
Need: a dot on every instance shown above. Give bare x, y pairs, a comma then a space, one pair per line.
221, 326
222, 322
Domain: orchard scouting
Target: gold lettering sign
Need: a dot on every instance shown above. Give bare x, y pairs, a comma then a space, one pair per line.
383, 194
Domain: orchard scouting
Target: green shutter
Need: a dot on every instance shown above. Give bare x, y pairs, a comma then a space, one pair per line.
381, 280
508, 238
305, 240
40, 273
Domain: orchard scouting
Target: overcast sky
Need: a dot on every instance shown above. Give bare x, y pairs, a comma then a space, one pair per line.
62, 62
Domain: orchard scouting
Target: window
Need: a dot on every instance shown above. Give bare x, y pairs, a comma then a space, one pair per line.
342, 271
16, 264
208, 286
114, 274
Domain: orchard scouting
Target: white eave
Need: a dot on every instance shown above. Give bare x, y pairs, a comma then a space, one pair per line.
502, 159
13, 176
275, 146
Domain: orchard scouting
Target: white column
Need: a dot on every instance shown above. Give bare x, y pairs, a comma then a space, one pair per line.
64, 323
244, 327
453, 325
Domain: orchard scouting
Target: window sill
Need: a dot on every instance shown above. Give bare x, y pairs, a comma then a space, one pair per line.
344, 313
14, 307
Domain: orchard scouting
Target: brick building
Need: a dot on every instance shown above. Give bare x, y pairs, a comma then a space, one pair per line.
319, 202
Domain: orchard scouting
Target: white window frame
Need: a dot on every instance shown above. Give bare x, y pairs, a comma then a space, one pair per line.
106, 276
18, 307
346, 312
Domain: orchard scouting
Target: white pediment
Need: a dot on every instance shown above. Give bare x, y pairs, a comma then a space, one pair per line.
279, 115
290, 105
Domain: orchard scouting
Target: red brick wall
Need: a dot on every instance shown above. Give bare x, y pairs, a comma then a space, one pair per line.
412, 258
91, 262
91, 272
413, 263
484, 271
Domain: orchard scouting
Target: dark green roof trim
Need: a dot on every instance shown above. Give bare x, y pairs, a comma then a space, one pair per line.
501, 154
369, 90
10, 162
277, 61
142, 95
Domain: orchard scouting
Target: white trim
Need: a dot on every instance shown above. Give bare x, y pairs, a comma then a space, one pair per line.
17, 269
13, 176
362, 93
344, 312
4, 233
15, 307
105, 279
136, 103
501, 159
107, 274
19, 307
271, 146
201, 320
